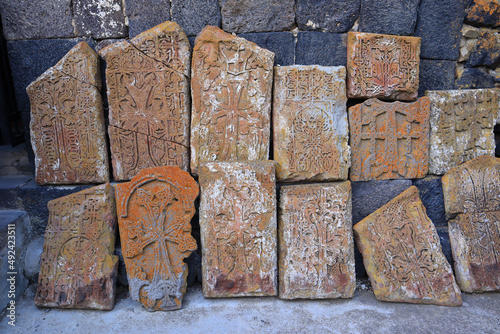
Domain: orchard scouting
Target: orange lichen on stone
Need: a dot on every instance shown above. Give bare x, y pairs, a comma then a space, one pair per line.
402, 254
484, 12
78, 267
154, 214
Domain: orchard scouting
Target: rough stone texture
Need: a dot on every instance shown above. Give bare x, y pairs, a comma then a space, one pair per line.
474, 78
144, 15
486, 51
431, 194
439, 24
311, 134
281, 43
154, 211
28, 19
391, 17
238, 229
471, 197
483, 13
32, 256
436, 75
316, 243
402, 254
461, 126
382, 66
149, 104
99, 19
67, 121
327, 15
78, 268
444, 239
240, 16
389, 140
231, 89
194, 15
319, 48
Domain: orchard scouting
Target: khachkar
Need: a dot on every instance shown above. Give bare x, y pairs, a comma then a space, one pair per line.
472, 202
461, 124
311, 133
389, 140
77, 266
238, 229
154, 215
316, 244
402, 254
231, 89
67, 121
383, 66
149, 102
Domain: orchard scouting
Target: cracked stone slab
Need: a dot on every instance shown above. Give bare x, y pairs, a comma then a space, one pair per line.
149, 101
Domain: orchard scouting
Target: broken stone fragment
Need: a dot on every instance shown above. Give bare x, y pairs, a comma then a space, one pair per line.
149, 102
78, 267
67, 121
154, 214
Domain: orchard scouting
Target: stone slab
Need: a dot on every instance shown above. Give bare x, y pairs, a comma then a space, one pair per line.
154, 213
471, 195
144, 15
194, 15
99, 19
436, 75
391, 17
486, 52
316, 244
461, 126
321, 48
67, 121
311, 134
326, 15
281, 43
483, 13
231, 88
238, 229
402, 254
149, 102
78, 268
475, 78
431, 194
389, 140
383, 66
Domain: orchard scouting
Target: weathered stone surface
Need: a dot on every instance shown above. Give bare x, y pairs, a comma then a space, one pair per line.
402, 254
28, 19
461, 126
148, 93
326, 15
240, 16
311, 134
78, 268
483, 13
67, 121
316, 243
431, 194
391, 17
154, 211
144, 15
471, 198
436, 75
439, 24
382, 66
99, 19
320, 48
238, 229
231, 89
486, 51
474, 78
444, 239
281, 43
389, 140
194, 15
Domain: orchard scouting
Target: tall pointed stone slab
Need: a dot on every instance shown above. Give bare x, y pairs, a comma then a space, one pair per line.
462, 123
149, 102
472, 201
238, 229
154, 214
316, 245
389, 140
402, 254
67, 121
78, 267
311, 134
383, 66
231, 89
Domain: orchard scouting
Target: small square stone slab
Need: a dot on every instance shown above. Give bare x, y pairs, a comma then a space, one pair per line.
472, 201
154, 213
384, 66
461, 126
402, 254
311, 133
316, 245
389, 140
238, 229
78, 267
